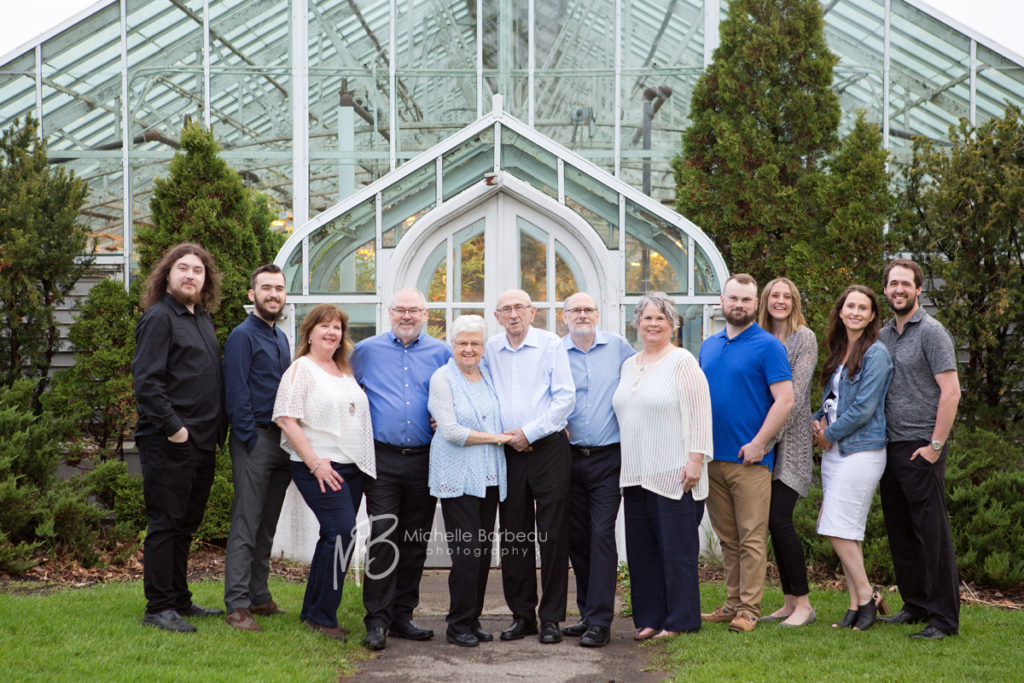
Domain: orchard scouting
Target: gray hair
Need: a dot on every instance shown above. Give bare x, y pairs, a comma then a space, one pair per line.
660, 301
474, 324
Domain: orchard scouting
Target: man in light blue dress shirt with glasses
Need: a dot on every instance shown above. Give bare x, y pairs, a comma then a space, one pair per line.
532, 378
596, 358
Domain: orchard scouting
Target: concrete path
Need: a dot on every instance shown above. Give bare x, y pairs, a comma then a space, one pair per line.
621, 660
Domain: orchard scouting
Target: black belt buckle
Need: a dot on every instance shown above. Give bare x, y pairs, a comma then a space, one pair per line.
584, 451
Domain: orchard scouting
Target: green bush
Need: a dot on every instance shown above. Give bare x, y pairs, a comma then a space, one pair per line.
119, 491
985, 497
217, 519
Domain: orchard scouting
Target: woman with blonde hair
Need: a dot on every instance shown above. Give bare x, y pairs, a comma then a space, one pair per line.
324, 418
781, 314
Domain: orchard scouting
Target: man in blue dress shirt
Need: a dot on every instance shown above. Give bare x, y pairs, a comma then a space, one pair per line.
255, 356
394, 369
596, 358
532, 378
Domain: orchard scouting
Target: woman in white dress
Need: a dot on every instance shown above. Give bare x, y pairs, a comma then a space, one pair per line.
325, 425
663, 406
850, 430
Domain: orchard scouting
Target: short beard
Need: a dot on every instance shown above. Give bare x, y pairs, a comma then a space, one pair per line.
739, 319
265, 314
184, 299
909, 306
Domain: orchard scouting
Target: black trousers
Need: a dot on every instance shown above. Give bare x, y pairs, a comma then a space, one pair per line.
469, 530
401, 512
789, 550
594, 506
176, 480
538, 493
914, 503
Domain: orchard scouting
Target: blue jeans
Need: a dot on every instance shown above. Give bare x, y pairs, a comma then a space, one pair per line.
336, 512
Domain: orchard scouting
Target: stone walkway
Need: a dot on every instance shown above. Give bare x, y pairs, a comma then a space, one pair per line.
527, 659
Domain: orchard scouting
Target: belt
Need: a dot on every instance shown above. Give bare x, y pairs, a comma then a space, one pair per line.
267, 425
588, 451
412, 450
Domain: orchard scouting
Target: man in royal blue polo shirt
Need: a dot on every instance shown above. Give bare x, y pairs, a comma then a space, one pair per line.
394, 369
255, 356
751, 396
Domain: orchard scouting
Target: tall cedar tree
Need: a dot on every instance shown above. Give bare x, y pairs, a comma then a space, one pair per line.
962, 217
764, 118
42, 251
204, 201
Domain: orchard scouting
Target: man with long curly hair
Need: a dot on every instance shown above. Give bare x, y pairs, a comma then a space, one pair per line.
179, 392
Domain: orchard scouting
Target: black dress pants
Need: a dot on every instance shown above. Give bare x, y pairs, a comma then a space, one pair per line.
469, 530
914, 503
594, 507
176, 480
401, 512
538, 493
789, 550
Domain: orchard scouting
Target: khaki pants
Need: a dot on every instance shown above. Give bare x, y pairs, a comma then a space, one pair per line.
739, 498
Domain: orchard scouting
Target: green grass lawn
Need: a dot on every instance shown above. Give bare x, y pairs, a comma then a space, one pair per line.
93, 634
989, 647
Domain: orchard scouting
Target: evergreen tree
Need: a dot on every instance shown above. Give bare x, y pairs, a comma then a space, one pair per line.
204, 201
764, 118
962, 217
42, 249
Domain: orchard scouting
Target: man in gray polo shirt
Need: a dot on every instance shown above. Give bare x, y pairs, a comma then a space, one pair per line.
919, 412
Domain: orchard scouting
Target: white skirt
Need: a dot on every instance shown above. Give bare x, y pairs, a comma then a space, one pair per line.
848, 485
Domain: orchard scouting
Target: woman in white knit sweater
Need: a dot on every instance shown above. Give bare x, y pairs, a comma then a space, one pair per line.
664, 411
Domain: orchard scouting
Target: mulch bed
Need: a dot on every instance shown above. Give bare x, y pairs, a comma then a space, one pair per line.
207, 562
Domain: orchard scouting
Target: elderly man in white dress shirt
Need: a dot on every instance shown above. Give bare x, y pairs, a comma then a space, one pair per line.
533, 380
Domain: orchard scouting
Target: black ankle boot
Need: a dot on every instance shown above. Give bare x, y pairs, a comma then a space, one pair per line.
847, 620
866, 616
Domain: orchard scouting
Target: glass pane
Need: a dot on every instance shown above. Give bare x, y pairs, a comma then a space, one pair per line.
529, 162
596, 203
293, 271
342, 253
466, 164
656, 258
566, 269
541, 319
705, 281
436, 270
532, 261
405, 201
436, 325
469, 264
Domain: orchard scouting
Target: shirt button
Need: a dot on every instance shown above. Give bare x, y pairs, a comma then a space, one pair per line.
406, 403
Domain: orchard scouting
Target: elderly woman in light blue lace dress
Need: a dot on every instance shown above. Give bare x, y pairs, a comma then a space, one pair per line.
467, 472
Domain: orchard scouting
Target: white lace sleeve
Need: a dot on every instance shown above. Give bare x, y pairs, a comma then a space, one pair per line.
296, 383
442, 408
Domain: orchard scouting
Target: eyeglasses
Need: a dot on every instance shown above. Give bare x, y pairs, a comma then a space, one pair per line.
407, 311
577, 311
518, 308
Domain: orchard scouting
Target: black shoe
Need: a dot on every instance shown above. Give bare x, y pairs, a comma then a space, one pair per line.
867, 614
482, 635
195, 610
410, 631
519, 629
168, 620
902, 617
375, 638
549, 633
576, 630
461, 639
848, 619
930, 633
596, 636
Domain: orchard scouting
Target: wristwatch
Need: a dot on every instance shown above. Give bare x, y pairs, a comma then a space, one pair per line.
936, 446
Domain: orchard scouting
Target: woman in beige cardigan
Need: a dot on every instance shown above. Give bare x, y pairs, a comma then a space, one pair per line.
781, 314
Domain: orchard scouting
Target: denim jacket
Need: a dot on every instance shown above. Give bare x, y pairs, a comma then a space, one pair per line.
860, 415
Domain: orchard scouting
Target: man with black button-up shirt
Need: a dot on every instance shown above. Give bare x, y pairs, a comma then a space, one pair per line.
394, 369
255, 356
181, 421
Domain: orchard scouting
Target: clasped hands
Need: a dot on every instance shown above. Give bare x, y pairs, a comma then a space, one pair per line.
818, 434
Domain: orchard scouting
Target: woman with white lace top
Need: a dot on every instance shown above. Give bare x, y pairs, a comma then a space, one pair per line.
325, 425
467, 473
664, 411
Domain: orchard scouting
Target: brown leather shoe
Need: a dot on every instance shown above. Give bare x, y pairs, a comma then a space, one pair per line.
743, 623
721, 615
241, 618
329, 631
266, 609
